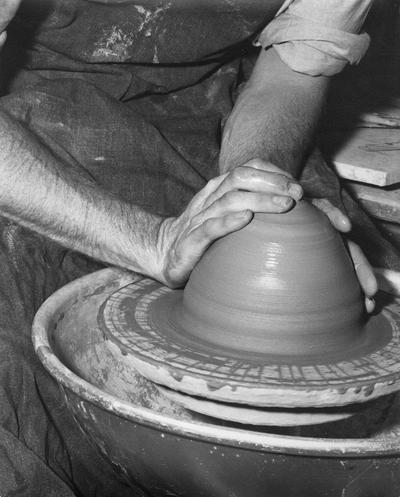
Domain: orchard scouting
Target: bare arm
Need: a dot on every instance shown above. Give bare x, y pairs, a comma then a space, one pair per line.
274, 117
41, 193
66, 205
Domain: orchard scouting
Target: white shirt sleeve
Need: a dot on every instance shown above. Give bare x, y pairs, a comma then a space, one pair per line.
318, 37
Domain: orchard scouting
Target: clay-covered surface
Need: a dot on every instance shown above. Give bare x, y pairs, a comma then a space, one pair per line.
167, 464
157, 347
267, 416
283, 285
271, 316
171, 451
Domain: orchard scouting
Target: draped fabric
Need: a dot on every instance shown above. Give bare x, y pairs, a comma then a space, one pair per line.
137, 97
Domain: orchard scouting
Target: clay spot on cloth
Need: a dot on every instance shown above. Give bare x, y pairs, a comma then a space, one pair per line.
115, 41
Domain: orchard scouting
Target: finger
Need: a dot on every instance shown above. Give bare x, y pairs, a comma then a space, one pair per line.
200, 238
198, 201
264, 165
363, 270
237, 201
369, 304
338, 219
258, 164
217, 227
255, 180
264, 177
214, 183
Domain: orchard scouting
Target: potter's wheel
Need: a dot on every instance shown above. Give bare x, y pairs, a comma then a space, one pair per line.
159, 353
170, 451
261, 416
272, 317
271, 326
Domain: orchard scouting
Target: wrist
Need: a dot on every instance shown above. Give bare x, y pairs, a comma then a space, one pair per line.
130, 239
163, 247
245, 134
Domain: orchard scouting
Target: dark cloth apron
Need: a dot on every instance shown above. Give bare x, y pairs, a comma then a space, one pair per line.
136, 96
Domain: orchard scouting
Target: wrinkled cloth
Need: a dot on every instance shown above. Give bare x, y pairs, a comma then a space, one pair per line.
318, 37
137, 98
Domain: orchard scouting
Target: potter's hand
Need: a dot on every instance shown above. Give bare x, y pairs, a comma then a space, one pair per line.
8, 8
362, 267
224, 205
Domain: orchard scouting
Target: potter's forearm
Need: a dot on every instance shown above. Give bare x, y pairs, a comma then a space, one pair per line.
274, 117
39, 192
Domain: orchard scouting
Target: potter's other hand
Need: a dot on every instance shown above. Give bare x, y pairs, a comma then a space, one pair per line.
365, 275
226, 204
363, 268
8, 8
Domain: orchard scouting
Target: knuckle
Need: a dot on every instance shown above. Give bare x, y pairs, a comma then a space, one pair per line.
229, 198
213, 182
246, 175
240, 174
256, 163
282, 182
208, 227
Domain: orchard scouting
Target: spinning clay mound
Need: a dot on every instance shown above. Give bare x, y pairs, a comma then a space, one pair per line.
284, 284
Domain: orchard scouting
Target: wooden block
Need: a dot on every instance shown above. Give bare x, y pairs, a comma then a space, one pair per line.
380, 203
367, 155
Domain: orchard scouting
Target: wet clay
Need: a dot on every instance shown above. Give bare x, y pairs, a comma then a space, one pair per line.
248, 415
283, 285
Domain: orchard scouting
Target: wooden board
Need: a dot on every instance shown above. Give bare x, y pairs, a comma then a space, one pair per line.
380, 203
366, 155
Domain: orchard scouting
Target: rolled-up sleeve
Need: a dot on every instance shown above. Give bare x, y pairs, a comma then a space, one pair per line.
318, 37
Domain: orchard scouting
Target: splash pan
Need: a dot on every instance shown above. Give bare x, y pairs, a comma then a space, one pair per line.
169, 450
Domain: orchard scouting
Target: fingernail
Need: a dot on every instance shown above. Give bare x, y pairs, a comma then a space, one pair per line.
370, 304
296, 191
345, 224
282, 201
